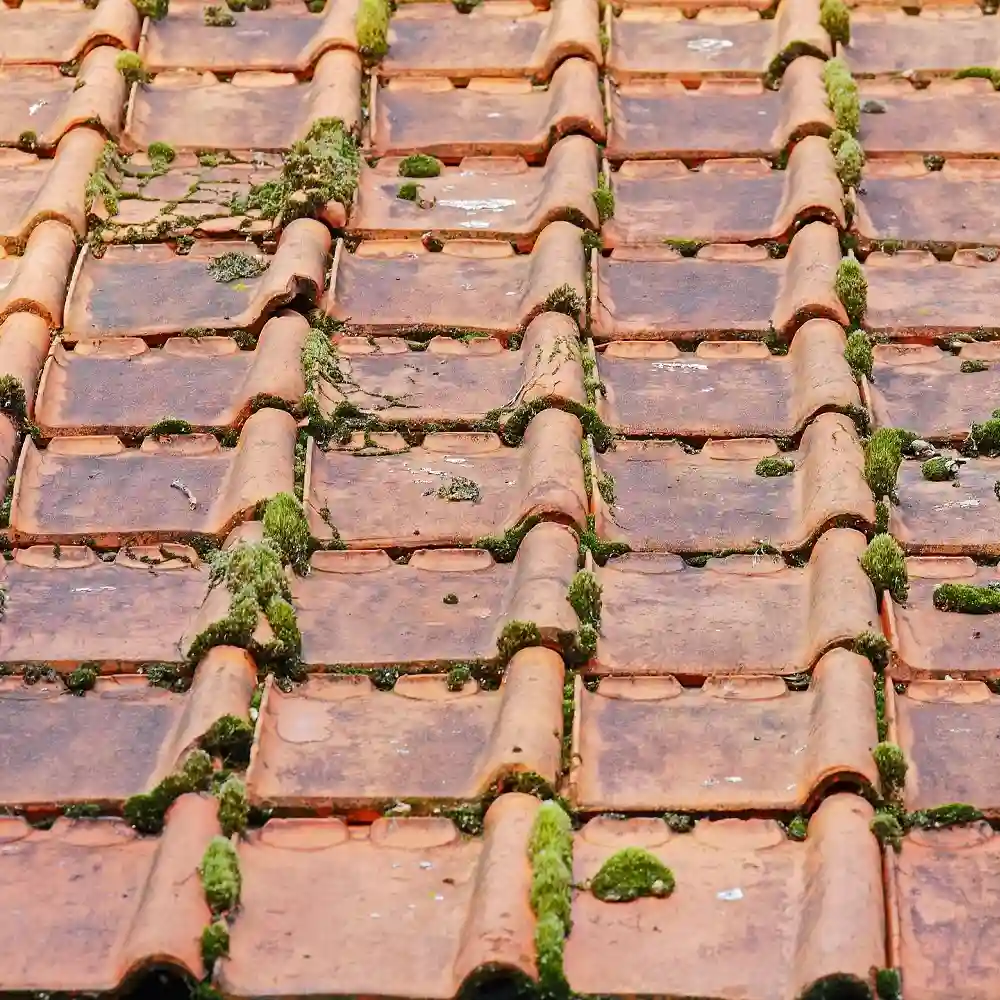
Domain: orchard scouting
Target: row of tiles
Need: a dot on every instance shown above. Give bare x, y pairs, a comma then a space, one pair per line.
390, 288
638, 744
96, 902
746, 614
659, 119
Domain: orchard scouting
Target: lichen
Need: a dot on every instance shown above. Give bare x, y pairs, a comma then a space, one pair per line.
82, 679
874, 647
131, 67
883, 455
972, 367
233, 806
773, 467
885, 565
372, 28
145, 812
859, 355
550, 851
420, 165
517, 635
218, 17
286, 527
214, 943
967, 599
938, 469
220, 875
892, 767
230, 738
887, 829
604, 198
236, 266
835, 20
629, 874
851, 287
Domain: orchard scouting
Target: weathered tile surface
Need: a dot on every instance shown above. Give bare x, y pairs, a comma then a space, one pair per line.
35, 281
24, 341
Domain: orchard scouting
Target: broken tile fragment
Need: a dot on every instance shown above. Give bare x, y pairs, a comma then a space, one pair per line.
656, 293
121, 386
399, 287
725, 389
667, 499
35, 281
428, 630
488, 117
743, 614
338, 743
454, 488
165, 490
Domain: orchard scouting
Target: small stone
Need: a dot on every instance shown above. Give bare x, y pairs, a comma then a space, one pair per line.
871, 106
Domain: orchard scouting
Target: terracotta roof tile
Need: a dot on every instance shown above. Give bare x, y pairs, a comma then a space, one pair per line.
661, 42
458, 382
819, 904
691, 8
59, 31
337, 743
393, 498
647, 744
739, 615
24, 341
655, 293
42, 105
427, 630
946, 729
35, 282
122, 386
489, 117
913, 296
667, 499
491, 198
152, 291
726, 201
95, 487
965, 113
938, 43
923, 387
927, 643
121, 738
726, 388
9, 439
96, 902
389, 287
284, 37
663, 120
453, 905
906, 203
942, 890
254, 110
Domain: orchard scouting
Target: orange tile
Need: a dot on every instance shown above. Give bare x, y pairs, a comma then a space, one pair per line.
59, 31
738, 615
389, 287
488, 117
24, 341
392, 497
725, 201
452, 905
35, 281
76, 608
122, 386
96, 902
165, 490
669, 500
655, 293
121, 738
726, 388
492, 198
818, 904
663, 120
428, 631
337, 743
252, 111
155, 291
457, 382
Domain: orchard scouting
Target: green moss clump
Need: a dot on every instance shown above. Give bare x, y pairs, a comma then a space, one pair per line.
161, 155
459, 489
220, 875
145, 812
629, 874
938, 469
967, 599
842, 95
874, 647
420, 165
888, 984
155, 9
881, 516
82, 679
230, 738
971, 367
550, 851
458, 677
13, 400
585, 597
550, 876
883, 455
980, 73
985, 437
604, 198
835, 20
286, 527
287, 637
410, 191
168, 426
892, 769
859, 355
798, 828
954, 814
218, 17
851, 287
849, 160
517, 635
233, 806
214, 943
679, 822
236, 266
885, 565
773, 467
131, 67
372, 29
566, 300
887, 829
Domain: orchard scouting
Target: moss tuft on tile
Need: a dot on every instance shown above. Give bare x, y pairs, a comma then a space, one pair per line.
885, 565
774, 467
145, 812
851, 287
604, 198
372, 29
892, 768
81, 680
835, 20
887, 829
883, 456
874, 647
234, 809
939, 469
515, 636
131, 67
220, 875
967, 599
420, 165
550, 851
630, 874
286, 528
230, 738
155, 9
214, 943
842, 95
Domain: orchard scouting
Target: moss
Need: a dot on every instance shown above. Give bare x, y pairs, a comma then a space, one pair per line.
459, 489
679, 822
145, 812
218, 17
230, 738
517, 635
842, 95
28, 141
287, 637
835, 20
954, 814
971, 367
851, 287
938, 469
885, 565
286, 527
601, 550
372, 28
233, 806
883, 455
420, 165
604, 198
550, 876
881, 516
155, 9
82, 679
859, 355
82, 810
849, 160
888, 984
550, 851
606, 487
166, 427
450, 599
410, 191
220, 875
892, 767
985, 437
566, 300
798, 828
236, 266
686, 248
131, 67
13, 400
874, 647
504, 547
967, 599
458, 677
771, 468
629, 874
980, 73
214, 943
887, 829
585, 597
